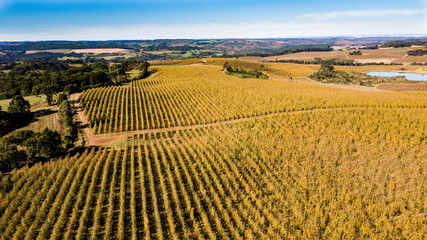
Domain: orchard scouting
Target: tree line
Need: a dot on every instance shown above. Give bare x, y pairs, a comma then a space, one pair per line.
401, 44
419, 52
50, 77
334, 61
44, 45
309, 48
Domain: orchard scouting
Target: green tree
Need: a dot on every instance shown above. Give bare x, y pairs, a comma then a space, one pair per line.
70, 89
144, 70
19, 105
65, 114
49, 91
5, 126
67, 139
23, 135
226, 65
45, 144
11, 157
326, 68
60, 98
46, 89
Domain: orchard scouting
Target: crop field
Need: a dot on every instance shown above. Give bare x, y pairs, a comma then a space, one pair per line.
204, 155
309, 56
177, 62
49, 50
340, 174
403, 87
100, 50
199, 94
281, 69
379, 68
386, 55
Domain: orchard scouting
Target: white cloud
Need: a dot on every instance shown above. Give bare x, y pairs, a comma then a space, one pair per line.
360, 13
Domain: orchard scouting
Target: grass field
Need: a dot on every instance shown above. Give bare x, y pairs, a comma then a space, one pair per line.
133, 73
50, 121
36, 102
199, 154
196, 94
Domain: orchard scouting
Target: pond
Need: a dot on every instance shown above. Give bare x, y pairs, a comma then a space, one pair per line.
408, 76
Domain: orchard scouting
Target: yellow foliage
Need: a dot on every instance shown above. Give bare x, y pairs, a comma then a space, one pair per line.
351, 165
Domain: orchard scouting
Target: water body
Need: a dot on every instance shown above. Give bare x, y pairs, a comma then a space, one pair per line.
408, 76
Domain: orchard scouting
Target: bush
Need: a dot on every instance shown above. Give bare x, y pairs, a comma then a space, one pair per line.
355, 53
243, 73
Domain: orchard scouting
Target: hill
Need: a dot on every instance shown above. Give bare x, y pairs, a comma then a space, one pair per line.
195, 153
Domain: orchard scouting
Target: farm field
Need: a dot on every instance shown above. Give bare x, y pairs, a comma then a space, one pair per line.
49, 51
386, 55
404, 87
199, 94
100, 50
85, 50
216, 120
346, 173
299, 70
382, 68
194, 153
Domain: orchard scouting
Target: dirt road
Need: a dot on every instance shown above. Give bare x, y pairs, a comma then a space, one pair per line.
98, 140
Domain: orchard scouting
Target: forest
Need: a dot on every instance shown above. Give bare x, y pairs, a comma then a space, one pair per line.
50, 77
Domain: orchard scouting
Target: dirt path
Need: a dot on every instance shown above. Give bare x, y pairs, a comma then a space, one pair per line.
92, 139
97, 140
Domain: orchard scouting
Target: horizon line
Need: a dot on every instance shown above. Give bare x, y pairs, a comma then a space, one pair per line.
268, 38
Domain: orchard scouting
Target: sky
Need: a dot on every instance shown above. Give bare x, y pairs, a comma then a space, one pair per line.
33, 20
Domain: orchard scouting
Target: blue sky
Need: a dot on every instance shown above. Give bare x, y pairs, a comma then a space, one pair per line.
151, 19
